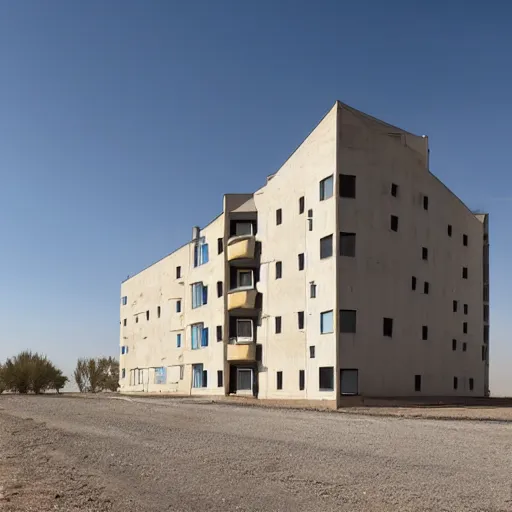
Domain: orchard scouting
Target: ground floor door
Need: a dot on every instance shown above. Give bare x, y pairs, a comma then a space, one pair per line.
242, 380
349, 382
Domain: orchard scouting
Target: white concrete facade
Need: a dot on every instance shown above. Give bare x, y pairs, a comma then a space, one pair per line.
317, 315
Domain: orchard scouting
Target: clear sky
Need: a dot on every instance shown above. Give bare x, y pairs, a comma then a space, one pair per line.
122, 123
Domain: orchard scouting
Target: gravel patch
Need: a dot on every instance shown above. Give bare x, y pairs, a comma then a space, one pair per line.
168, 455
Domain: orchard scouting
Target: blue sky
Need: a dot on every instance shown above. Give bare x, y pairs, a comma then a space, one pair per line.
113, 113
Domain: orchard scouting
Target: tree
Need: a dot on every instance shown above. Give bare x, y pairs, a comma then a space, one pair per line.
110, 373
93, 375
2, 383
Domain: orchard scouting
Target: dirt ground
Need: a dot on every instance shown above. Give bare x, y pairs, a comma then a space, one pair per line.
105, 454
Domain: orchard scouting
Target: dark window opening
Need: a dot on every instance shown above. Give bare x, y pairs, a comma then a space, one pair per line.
300, 319
426, 287
279, 216
465, 240
136, 319
220, 289
454, 344
347, 185
219, 332
178, 272
425, 202
220, 245
387, 327
464, 272
424, 253
484, 352
413, 283
486, 334
394, 189
312, 352
279, 379
417, 383
455, 382
312, 290
278, 324
302, 378
466, 309
125, 321
147, 316
471, 384
465, 327
394, 223
301, 205
348, 244
424, 332
348, 320
220, 379
205, 378
301, 261
326, 378
464, 347
326, 247
486, 313
178, 306
449, 230
279, 269
455, 304
158, 311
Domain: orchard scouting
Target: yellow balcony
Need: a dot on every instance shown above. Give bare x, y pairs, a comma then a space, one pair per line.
241, 247
244, 299
242, 352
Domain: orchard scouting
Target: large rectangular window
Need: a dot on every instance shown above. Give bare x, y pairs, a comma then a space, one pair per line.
244, 379
199, 336
160, 375
326, 322
197, 376
326, 186
348, 244
243, 228
244, 333
326, 247
347, 185
200, 252
348, 320
199, 295
349, 382
326, 378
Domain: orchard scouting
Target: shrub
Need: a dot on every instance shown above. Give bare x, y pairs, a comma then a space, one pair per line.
93, 375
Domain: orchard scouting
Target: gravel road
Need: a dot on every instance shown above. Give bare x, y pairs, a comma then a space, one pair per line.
101, 454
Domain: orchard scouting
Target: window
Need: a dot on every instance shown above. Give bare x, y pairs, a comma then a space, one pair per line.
464, 347
486, 313
484, 352
394, 223
326, 319
125, 321
486, 292
220, 245
244, 379
160, 375
387, 327
244, 279
312, 290
424, 332
417, 383
279, 269
465, 240
300, 319
413, 283
199, 336
182, 372
449, 230
123, 350
347, 185
466, 309
301, 205
197, 376
464, 272
394, 189
123, 373
220, 380
178, 340
178, 306
454, 344
278, 324
455, 305
136, 319
279, 380
199, 295
302, 378
349, 381
158, 311
486, 334
465, 327
326, 378
244, 330
147, 316
312, 352
348, 244
220, 290
426, 287
326, 247
178, 272
424, 253
301, 261
219, 332
425, 202
310, 220
455, 382
124, 300
471, 384
200, 252
348, 320
259, 352
279, 217
326, 186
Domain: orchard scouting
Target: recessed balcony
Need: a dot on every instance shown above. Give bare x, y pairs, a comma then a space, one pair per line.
241, 352
241, 247
240, 298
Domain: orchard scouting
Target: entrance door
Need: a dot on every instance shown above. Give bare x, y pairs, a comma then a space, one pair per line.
349, 382
244, 377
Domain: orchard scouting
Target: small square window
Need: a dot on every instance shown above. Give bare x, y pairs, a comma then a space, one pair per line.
394, 189
178, 306
279, 216
455, 306
347, 185
471, 384
312, 290
413, 283
301, 205
454, 344
348, 244
449, 230
464, 347
424, 253
326, 247
394, 223
387, 327
455, 382
348, 320
425, 202
301, 261
465, 327
326, 186
220, 245
465, 240
424, 332
279, 269
220, 289
300, 319
417, 383
278, 324
178, 272
326, 322
312, 352
326, 378
219, 332
279, 380
466, 309
426, 287
125, 321
464, 272
220, 379
302, 378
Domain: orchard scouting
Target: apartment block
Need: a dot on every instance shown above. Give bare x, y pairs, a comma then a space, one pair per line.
352, 271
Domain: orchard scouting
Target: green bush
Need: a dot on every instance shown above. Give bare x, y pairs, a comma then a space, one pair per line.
93, 375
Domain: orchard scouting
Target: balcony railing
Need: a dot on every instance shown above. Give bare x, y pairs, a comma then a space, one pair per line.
241, 247
242, 299
241, 352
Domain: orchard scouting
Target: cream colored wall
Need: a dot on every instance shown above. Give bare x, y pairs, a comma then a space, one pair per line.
153, 343
377, 282
288, 352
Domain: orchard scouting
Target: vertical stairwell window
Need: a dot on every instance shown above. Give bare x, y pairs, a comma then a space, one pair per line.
301, 261
279, 380
278, 324
326, 186
300, 320
279, 216
279, 269
394, 223
301, 205
302, 379
326, 247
